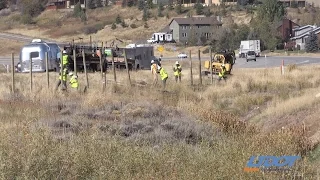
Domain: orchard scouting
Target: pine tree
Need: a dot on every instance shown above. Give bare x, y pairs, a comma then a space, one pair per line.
312, 43
99, 3
179, 7
118, 19
141, 5
150, 4
90, 4
160, 9
113, 26
3, 4
170, 5
145, 14
199, 8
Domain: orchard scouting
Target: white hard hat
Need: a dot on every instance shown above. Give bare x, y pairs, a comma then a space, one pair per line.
177, 62
74, 76
70, 74
159, 67
222, 65
152, 61
64, 51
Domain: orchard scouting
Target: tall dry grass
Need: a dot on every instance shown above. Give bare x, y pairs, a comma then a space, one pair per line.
140, 132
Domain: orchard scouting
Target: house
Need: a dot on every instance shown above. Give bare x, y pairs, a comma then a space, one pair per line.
300, 3
285, 29
193, 27
290, 3
302, 30
301, 39
63, 4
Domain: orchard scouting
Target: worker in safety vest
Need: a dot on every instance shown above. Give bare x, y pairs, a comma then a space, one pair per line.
73, 81
163, 75
65, 59
222, 73
154, 71
177, 71
62, 79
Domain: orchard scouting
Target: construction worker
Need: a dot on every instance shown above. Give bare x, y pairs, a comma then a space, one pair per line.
73, 81
222, 73
62, 81
154, 71
163, 75
65, 59
177, 71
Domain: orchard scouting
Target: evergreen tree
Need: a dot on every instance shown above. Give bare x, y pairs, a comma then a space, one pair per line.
99, 3
150, 4
312, 43
179, 7
118, 19
145, 14
199, 8
113, 26
3, 4
90, 4
141, 5
170, 5
160, 9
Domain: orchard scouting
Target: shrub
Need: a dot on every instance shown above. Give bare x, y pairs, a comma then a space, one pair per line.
123, 24
146, 25
26, 19
118, 19
113, 26
133, 26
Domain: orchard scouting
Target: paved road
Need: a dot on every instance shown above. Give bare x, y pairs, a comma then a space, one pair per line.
262, 62
26, 38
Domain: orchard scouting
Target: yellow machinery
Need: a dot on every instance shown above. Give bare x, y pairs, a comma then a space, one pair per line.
226, 58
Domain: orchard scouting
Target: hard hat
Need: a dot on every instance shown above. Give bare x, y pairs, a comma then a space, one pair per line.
64, 51
70, 74
159, 67
75, 76
177, 62
222, 65
152, 61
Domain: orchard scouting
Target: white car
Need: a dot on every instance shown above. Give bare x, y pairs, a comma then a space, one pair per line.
182, 55
151, 41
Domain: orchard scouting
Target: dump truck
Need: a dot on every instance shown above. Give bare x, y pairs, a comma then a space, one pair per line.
92, 57
219, 58
138, 56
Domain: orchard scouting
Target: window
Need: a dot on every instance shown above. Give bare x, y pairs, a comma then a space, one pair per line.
184, 34
34, 54
184, 27
199, 27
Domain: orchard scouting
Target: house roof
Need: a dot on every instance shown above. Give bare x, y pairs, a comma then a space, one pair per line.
166, 29
197, 21
301, 28
280, 23
315, 30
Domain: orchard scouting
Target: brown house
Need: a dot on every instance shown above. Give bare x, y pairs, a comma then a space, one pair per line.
285, 29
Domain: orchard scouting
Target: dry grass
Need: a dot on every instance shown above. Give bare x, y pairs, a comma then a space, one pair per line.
140, 132
9, 46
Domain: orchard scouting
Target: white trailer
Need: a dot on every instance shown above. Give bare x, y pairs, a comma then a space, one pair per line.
249, 45
160, 37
